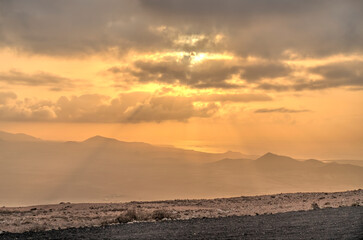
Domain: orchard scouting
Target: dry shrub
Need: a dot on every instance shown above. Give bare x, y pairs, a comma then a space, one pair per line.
160, 214
139, 215
128, 216
37, 228
109, 222
132, 215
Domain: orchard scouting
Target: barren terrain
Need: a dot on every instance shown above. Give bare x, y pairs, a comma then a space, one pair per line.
68, 215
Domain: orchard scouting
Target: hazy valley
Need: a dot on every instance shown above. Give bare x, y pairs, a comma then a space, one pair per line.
99, 169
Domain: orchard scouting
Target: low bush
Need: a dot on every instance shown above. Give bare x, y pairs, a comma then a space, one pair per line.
128, 216
139, 215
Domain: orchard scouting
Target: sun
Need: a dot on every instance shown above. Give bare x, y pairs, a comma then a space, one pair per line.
197, 57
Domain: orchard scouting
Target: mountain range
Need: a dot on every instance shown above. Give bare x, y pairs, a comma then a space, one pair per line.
99, 169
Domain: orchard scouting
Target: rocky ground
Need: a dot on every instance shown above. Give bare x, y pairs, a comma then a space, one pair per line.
68, 215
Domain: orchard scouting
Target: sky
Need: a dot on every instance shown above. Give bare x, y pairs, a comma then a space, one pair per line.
281, 76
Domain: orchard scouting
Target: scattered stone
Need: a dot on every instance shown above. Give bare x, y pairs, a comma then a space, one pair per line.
315, 206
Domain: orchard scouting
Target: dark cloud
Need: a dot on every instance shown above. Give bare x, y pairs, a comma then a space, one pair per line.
339, 74
342, 74
206, 74
274, 87
268, 28
228, 74
265, 70
280, 110
52, 81
210, 73
247, 97
262, 28
6, 96
115, 70
70, 27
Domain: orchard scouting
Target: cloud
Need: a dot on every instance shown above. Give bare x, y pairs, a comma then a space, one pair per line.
239, 73
27, 110
338, 74
258, 28
356, 89
54, 82
132, 107
127, 108
6, 96
280, 110
269, 28
259, 71
247, 97
275, 87
271, 31
65, 28
205, 74
168, 108
341, 74
209, 73
114, 70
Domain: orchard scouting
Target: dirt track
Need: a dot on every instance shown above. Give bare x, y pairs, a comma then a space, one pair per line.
330, 223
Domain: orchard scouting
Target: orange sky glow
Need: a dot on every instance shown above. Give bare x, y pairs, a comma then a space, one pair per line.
285, 79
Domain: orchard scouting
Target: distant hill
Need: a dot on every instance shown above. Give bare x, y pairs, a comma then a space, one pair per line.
18, 137
271, 160
352, 162
274, 158
106, 169
100, 139
291, 172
